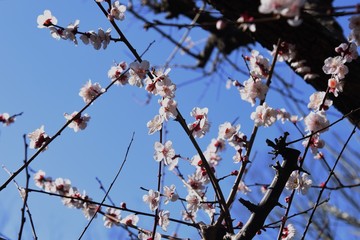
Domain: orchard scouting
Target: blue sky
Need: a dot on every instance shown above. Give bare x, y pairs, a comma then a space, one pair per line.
41, 77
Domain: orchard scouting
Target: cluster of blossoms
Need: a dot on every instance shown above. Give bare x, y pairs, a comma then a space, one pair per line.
97, 39
73, 198
287, 8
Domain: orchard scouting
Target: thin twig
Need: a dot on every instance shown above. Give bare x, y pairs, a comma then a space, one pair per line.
327, 180
111, 185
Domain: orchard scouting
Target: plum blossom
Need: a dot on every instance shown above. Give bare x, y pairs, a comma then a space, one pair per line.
245, 17
101, 38
315, 143
6, 119
264, 115
170, 194
316, 100
196, 182
46, 20
335, 86
164, 86
286, 52
130, 220
283, 115
243, 188
138, 72
117, 11
301, 184
153, 199
253, 88
62, 186
193, 202
155, 124
167, 153
216, 145
335, 66
89, 91
348, 51
111, 217
227, 130
70, 31
39, 178
148, 236
288, 232
164, 219
259, 66
316, 121
119, 74
79, 122
38, 138
168, 108
201, 125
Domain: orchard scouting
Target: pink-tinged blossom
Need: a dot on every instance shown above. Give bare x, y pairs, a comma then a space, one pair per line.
164, 221
6, 119
227, 130
167, 153
315, 143
138, 73
62, 186
335, 66
111, 217
101, 38
164, 86
316, 99
89, 91
117, 11
335, 86
89, 210
170, 194
130, 220
79, 122
153, 199
348, 51
155, 124
149, 236
259, 66
238, 140
253, 88
209, 209
76, 200
282, 115
70, 32
46, 20
264, 115
193, 202
38, 138
168, 108
201, 125
301, 184
39, 178
288, 232
216, 145
316, 121
196, 183
243, 188
286, 52
119, 74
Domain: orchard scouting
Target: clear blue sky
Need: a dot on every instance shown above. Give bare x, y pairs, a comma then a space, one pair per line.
41, 77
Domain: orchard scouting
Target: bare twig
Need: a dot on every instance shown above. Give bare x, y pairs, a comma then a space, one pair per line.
111, 185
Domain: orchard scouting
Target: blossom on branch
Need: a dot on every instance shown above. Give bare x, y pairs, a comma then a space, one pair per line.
111, 217
201, 125
153, 199
253, 88
38, 138
164, 219
264, 115
301, 184
316, 99
288, 232
117, 11
138, 73
130, 220
316, 121
46, 20
155, 124
168, 108
170, 194
167, 153
6, 119
79, 122
89, 91
119, 74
